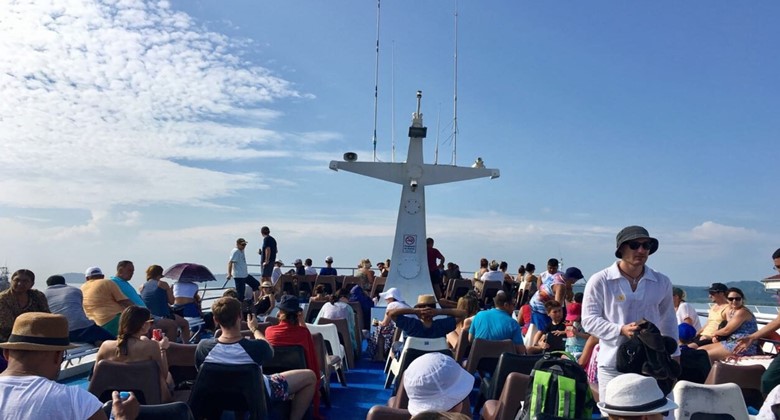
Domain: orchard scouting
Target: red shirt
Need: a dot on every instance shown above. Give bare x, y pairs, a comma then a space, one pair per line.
286, 334
433, 254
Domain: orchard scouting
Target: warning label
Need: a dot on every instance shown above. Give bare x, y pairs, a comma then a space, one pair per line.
410, 244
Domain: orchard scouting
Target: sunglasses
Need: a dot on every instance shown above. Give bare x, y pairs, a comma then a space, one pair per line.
634, 245
736, 298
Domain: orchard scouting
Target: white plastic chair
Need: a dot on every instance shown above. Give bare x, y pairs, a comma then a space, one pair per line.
694, 398
423, 345
529, 335
330, 335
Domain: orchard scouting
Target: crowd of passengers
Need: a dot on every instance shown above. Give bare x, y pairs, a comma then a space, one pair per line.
114, 316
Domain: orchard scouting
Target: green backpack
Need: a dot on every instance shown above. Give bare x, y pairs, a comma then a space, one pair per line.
558, 390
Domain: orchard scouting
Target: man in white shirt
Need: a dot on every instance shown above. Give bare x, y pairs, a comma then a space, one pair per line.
624, 293
310, 271
237, 270
28, 389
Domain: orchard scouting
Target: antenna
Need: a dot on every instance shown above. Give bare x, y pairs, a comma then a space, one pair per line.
455, 98
392, 104
436, 150
376, 76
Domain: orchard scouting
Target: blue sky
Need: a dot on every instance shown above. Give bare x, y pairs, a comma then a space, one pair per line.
161, 131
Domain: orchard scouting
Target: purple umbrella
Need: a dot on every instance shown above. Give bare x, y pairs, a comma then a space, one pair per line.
189, 272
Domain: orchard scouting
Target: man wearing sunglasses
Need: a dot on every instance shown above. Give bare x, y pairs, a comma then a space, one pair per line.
771, 377
623, 293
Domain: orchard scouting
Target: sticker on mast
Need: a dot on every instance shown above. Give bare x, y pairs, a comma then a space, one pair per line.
410, 244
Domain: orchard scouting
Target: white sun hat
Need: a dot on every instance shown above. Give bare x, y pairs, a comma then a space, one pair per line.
435, 382
391, 293
631, 394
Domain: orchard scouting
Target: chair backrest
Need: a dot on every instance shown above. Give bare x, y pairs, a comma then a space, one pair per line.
510, 363
142, 378
181, 362
512, 396
484, 354
528, 339
350, 281
747, 377
171, 411
415, 347
378, 286
359, 321
285, 358
322, 353
344, 338
462, 346
330, 334
490, 289
328, 281
237, 388
306, 283
312, 310
699, 401
459, 288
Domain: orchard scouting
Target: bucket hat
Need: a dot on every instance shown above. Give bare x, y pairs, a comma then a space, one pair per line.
290, 304
391, 293
435, 382
39, 331
631, 394
630, 233
573, 273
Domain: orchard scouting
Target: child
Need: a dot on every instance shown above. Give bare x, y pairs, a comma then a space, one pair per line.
551, 338
575, 335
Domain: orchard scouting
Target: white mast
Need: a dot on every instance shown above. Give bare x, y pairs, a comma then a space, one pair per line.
409, 270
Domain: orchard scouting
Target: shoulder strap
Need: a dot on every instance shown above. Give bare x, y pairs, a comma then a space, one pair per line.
539, 391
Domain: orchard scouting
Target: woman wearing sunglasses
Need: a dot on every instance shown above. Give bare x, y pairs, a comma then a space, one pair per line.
739, 323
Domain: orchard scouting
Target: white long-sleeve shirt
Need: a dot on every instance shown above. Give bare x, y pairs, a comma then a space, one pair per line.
609, 303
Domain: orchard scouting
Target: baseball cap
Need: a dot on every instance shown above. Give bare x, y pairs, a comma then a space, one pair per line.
93, 271
328, 259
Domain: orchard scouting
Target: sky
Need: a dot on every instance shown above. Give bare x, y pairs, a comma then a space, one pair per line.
161, 131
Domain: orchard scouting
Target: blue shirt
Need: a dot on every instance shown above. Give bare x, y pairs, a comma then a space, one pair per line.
496, 324
127, 290
328, 271
413, 327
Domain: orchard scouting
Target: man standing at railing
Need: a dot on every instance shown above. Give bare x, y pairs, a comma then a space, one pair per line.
267, 253
771, 378
238, 270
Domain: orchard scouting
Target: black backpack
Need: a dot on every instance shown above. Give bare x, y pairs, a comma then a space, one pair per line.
648, 353
558, 389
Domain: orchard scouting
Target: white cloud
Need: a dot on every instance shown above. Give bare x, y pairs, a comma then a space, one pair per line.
99, 98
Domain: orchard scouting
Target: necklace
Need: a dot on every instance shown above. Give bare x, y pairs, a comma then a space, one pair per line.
633, 280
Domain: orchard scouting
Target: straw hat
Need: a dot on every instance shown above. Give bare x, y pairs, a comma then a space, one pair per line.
426, 300
39, 331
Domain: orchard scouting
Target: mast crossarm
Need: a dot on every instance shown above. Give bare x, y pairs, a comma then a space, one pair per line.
391, 172
442, 174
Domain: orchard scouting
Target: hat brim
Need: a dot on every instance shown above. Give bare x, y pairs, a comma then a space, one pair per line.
669, 406
36, 347
653, 244
447, 399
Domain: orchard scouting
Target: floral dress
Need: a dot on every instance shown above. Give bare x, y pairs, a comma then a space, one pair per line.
748, 327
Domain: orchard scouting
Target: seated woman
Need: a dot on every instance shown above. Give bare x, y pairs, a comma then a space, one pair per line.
378, 348
319, 294
365, 273
338, 308
740, 322
157, 295
291, 331
186, 300
266, 301
132, 345
470, 304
